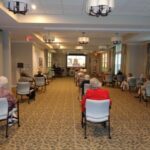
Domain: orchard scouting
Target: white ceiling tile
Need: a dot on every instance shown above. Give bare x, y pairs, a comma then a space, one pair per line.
76, 9
72, 2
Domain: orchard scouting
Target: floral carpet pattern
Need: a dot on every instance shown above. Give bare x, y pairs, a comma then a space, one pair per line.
52, 122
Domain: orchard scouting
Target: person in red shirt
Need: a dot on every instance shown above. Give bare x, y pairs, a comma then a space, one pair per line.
95, 93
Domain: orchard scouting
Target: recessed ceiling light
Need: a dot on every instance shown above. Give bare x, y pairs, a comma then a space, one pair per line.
79, 47
33, 6
62, 47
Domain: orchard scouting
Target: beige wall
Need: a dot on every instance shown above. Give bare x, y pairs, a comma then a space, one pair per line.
21, 52
60, 60
136, 59
29, 54
38, 59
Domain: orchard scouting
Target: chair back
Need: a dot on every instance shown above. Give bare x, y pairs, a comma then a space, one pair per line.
23, 88
139, 82
132, 82
40, 81
86, 87
97, 110
53, 73
3, 108
49, 75
119, 78
148, 90
108, 78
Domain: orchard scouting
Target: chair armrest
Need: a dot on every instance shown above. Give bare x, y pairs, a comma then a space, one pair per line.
32, 90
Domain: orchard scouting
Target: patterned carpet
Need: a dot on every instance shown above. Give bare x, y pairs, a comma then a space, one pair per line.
52, 122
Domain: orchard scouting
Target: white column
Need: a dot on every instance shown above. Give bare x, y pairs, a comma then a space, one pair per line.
7, 56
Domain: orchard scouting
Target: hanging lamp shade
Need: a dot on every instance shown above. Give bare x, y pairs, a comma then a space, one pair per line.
99, 7
18, 6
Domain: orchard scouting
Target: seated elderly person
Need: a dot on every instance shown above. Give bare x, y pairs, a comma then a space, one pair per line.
40, 74
80, 78
141, 91
76, 75
85, 81
125, 83
95, 92
4, 92
119, 72
140, 81
24, 77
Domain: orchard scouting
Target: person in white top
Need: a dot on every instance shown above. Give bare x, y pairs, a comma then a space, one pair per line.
125, 83
141, 91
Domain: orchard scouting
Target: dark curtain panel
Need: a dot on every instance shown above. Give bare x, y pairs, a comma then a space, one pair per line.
148, 60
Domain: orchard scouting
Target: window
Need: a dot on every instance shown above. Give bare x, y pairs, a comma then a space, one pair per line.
49, 60
118, 57
104, 62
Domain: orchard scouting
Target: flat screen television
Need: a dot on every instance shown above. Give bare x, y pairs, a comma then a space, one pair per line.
76, 60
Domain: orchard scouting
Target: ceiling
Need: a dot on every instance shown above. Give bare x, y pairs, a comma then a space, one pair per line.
67, 19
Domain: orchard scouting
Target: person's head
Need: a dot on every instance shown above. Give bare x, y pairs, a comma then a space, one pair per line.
81, 70
23, 74
3, 81
39, 72
95, 83
130, 75
84, 70
87, 77
76, 69
148, 77
81, 74
141, 76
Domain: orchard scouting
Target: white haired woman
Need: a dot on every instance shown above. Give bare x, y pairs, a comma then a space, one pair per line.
4, 92
95, 92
